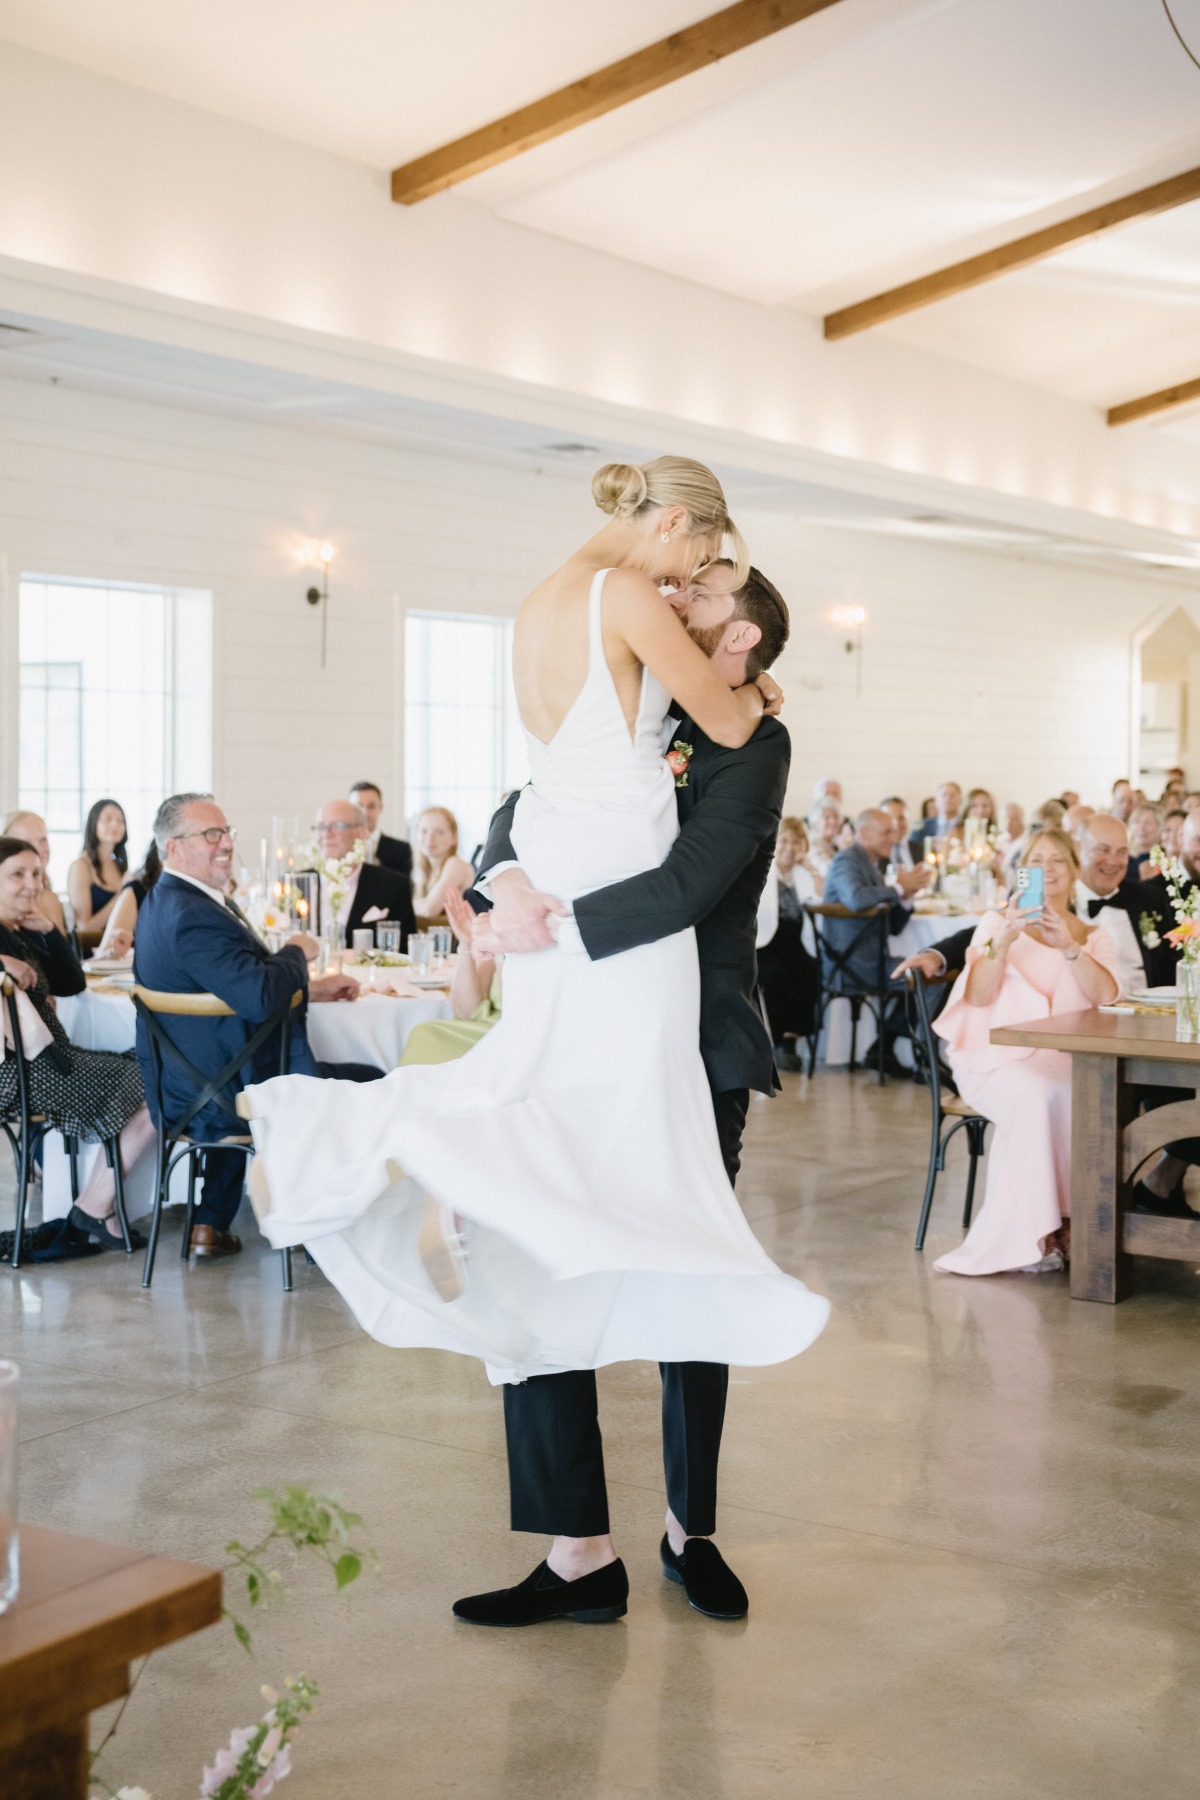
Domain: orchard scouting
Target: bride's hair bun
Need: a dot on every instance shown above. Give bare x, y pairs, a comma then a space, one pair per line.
620, 489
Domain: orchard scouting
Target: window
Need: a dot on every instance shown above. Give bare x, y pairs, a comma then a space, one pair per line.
116, 699
463, 746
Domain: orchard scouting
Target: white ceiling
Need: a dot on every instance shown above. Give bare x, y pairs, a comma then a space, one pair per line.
872, 144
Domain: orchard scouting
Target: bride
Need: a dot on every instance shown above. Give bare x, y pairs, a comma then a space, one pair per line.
556, 1199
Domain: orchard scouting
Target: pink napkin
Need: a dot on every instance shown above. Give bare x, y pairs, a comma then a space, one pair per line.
35, 1033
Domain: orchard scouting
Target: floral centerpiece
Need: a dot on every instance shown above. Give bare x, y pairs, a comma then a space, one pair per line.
338, 872
1185, 938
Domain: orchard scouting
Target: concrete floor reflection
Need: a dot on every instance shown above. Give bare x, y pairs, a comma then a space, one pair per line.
967, 1518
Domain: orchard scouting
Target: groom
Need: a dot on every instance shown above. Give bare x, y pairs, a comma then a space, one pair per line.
730, 802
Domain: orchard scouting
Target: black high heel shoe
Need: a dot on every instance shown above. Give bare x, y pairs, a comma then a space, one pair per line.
96, 1230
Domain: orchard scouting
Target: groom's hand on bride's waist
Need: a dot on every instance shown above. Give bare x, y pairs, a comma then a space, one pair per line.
520, 915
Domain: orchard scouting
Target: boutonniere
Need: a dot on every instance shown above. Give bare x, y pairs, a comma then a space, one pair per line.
1148, 930
677, 759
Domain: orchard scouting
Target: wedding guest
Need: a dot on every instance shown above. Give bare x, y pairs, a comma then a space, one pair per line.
827, 787
475, 998
1106, 894
825, 826
389, 852
788, 972
858, 879
122, 920
1069, 798
928, 809
1024, 968
1144, 827
947, 820
1172, 831
90, 1094
1121, 804
1191, 802
371, 888
192, 940
1075, 817
897, 812
96, 877
981, 805
1014, 820
437, 866
32, 828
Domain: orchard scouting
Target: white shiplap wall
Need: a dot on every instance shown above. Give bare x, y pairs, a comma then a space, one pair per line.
1013, 673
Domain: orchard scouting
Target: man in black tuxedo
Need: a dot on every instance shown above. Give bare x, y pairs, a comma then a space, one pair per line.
339, 826
1135, 914
730, 803
388, 852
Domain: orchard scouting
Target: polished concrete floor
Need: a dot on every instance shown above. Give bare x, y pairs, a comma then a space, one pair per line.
967, 1519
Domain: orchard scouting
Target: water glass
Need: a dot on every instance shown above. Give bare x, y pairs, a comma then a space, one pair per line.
389, 935
420, 950
362, 943
443, 938
10, 1390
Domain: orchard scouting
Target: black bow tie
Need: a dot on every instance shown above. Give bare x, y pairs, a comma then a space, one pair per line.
1095, 905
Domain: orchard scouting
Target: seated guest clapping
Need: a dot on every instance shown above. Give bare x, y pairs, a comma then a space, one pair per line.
32, 828
788, 973
388, 852
1022, 967
1144, 828
824, 835
91, 1094
383, 893
191, 939
96, 877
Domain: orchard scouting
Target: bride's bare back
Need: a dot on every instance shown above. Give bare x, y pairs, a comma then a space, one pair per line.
550, 647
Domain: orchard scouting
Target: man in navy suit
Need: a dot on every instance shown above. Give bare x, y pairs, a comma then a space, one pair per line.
191, 939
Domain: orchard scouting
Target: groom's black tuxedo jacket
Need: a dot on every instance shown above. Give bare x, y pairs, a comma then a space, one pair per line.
713, 878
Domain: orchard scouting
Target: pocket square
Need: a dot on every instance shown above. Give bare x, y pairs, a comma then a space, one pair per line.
372, 913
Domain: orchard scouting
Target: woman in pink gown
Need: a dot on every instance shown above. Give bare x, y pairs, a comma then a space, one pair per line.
1022, 967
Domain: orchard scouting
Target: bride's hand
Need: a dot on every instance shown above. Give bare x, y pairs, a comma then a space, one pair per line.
772, 695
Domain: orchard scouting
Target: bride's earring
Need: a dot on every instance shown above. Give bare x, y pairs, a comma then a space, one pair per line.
666, 537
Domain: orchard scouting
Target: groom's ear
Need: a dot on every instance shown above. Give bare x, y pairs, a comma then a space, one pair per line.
741, 636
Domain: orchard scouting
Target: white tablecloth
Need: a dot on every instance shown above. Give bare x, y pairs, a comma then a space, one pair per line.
373, 1029
921, 933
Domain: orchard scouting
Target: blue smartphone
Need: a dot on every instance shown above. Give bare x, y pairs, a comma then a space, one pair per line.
1031, 889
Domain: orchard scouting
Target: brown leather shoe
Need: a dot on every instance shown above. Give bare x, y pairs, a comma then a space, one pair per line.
210, 1240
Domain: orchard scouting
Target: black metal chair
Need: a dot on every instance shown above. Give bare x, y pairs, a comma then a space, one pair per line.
25, 1129
943, 1104
175, 1143
839, 983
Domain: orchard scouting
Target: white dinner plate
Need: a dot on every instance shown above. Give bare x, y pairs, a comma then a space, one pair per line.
1157, 996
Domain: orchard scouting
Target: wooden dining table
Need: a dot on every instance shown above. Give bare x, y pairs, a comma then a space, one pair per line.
85, 1611
1117, 1058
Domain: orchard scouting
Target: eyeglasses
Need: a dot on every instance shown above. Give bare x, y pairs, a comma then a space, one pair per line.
337, 825
212, 836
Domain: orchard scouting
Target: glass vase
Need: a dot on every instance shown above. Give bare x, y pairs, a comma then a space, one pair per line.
333, 939
10, 1389
1187, 1002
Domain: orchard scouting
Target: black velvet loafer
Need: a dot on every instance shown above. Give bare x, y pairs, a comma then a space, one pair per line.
594, 1599
706, 1578
1169, 1206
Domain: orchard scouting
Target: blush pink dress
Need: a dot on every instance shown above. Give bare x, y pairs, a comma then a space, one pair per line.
1025, 1093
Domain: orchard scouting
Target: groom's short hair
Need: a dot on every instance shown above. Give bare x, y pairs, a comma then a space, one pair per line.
760, 601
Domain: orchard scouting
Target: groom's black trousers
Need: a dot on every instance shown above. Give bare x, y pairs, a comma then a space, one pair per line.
555, 1454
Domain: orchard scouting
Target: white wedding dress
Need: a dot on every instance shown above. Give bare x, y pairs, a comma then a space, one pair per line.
575, 1142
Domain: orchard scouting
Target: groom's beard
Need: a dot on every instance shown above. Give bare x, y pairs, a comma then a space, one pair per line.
707, 637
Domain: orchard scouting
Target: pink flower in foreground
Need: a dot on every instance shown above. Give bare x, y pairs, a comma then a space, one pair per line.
269, 1748
283, 1764
262, 1787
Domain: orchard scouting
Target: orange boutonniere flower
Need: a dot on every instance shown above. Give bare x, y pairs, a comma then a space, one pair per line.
677, 759
1185, 933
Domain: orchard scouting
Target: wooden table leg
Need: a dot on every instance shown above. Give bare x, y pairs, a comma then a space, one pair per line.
51, 1765
1101, 1106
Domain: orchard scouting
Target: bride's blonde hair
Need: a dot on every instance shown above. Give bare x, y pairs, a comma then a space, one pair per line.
628, 489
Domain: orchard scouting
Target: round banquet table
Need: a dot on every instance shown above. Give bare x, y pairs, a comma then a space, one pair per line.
372, 1029
922, 932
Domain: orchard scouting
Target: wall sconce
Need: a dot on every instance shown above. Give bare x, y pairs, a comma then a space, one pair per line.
319, 596
851, 619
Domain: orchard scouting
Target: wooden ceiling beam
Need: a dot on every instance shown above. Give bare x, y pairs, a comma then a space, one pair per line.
1163, 401
1178, 190
708, 41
